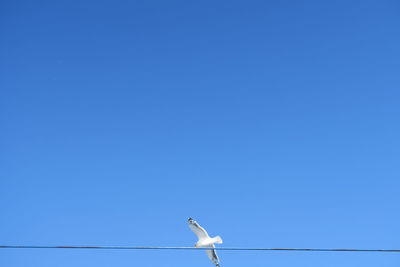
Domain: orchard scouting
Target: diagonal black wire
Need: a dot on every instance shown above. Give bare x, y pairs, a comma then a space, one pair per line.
193, 248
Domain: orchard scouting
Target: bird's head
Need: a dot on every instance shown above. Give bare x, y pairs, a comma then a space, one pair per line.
190, 220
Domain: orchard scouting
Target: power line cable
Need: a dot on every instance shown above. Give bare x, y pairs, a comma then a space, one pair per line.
193, 248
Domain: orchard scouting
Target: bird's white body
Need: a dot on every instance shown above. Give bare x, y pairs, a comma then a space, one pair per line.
208, 241
205, 241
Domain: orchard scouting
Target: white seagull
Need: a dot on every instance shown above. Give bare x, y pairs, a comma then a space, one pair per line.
205, 241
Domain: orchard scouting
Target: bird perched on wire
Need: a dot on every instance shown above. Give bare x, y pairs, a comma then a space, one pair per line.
205, 241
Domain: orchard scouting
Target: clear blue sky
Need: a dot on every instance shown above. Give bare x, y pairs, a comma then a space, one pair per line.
272, 123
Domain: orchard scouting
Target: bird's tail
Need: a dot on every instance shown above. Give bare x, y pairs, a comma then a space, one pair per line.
217, 239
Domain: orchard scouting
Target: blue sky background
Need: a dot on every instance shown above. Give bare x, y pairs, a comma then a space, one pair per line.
272, 123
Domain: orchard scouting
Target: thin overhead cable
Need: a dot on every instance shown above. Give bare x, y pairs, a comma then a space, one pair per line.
193, 248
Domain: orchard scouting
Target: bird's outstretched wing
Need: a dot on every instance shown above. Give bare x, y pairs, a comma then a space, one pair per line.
212, 255
197, 229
